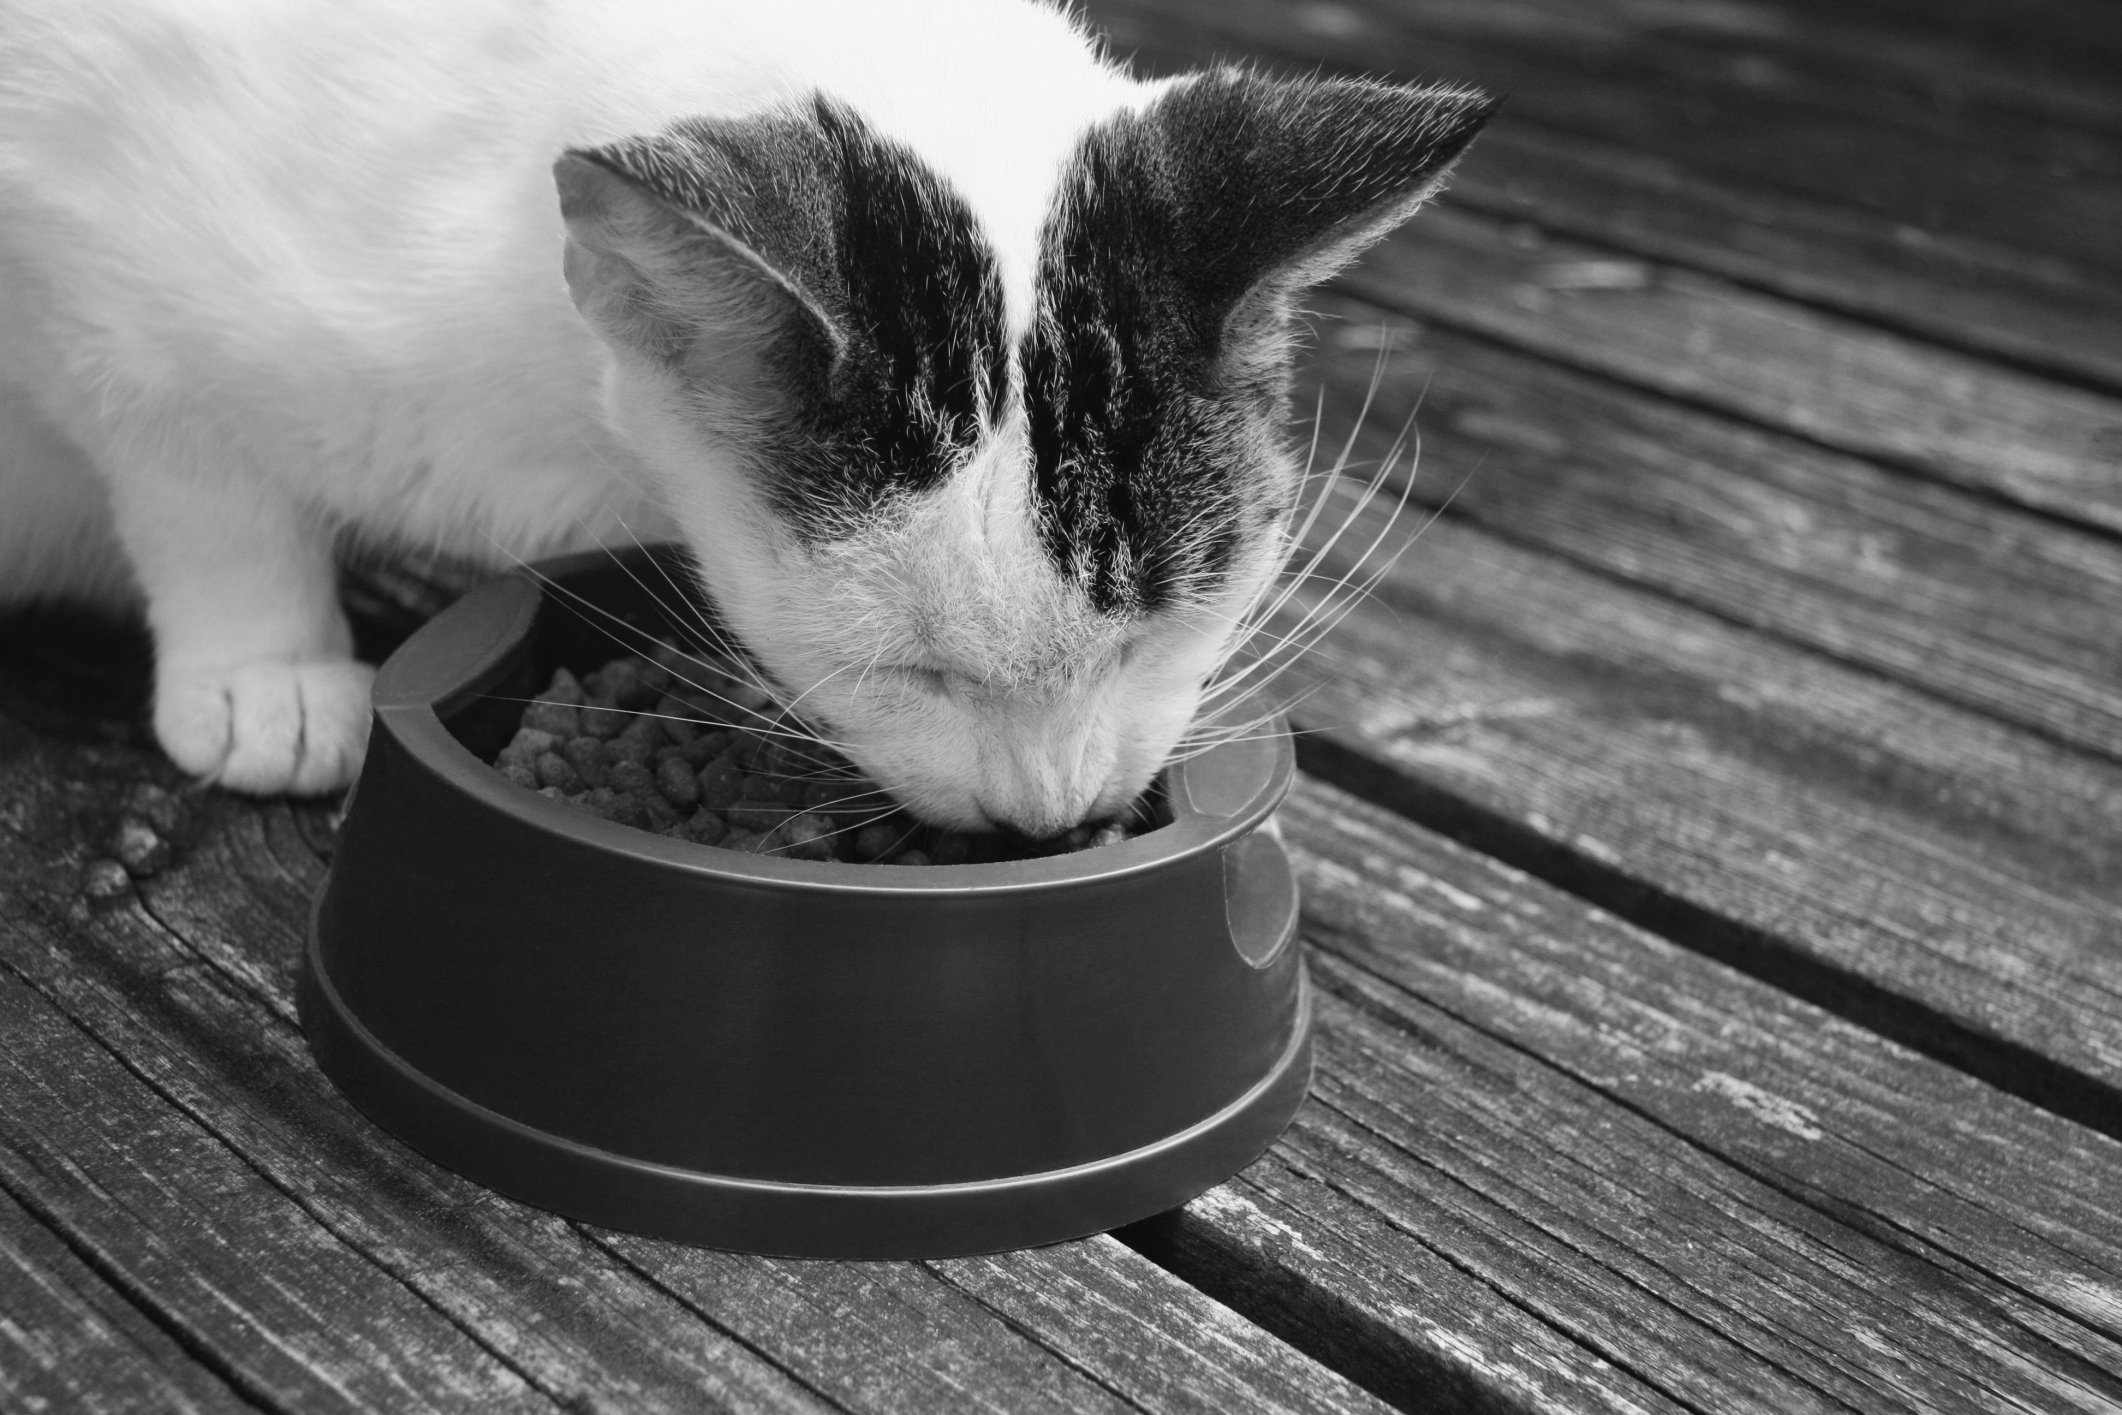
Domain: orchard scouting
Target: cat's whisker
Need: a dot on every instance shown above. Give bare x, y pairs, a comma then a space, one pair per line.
1297, 636
1334, 483
870, 667
1337, 481
1331, 611
1228, 721
1318, 622
1265, 728
1252, 668
688, 616
875, 817
683, 599
755, 729
644, 642
1260, 688
1291, 538
790, 706
1268, 730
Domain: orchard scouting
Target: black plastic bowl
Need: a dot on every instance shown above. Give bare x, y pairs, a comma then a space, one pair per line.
783, 1056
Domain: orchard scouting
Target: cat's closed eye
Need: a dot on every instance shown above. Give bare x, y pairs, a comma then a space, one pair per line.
934, 681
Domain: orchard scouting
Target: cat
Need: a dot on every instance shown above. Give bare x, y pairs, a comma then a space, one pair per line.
957, 355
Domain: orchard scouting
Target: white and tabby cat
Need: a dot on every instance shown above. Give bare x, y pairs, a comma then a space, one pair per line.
957, 355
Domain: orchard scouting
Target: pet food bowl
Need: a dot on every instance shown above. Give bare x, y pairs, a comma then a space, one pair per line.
787, 1056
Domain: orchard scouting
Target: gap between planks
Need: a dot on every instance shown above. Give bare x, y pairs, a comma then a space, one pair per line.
1626, 86
248, 883
1940, 877
2005, 1205
2030, 312
1983, 604
197, 992
78, 1343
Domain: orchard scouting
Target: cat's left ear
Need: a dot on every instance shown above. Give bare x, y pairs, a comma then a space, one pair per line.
679, 251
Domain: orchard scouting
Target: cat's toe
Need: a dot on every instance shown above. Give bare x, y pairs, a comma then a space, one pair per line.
268, 728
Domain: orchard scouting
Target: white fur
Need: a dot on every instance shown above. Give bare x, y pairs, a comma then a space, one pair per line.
282, 273
940, 648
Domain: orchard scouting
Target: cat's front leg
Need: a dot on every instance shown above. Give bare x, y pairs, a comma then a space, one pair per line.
256, 687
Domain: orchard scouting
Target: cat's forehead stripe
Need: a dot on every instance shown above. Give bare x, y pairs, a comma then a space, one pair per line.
927, 361
1139, 472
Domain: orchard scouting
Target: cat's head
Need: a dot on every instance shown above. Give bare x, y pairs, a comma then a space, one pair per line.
990, 542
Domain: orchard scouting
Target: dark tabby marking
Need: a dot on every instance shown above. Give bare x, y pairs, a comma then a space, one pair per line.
894, 354
1156, 369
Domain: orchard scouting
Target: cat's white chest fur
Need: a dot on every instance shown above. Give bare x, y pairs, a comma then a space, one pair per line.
274, 274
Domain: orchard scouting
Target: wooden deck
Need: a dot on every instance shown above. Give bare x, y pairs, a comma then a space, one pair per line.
1711, 840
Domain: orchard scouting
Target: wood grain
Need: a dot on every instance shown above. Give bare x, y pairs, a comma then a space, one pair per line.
876, 1336
1616, 72
1706, 1285
2000, 610
1381, 1302
2038, 42
1700, 339
1939, 875
1933, 1161
170, 1211
525, 1285
71, 1343
1972, 295
1686, 1173
1899, 269
1973, 68
186, 975
1213, 1360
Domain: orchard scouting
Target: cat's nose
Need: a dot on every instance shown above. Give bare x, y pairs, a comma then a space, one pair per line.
1044, 790
1034, 822
1037, 807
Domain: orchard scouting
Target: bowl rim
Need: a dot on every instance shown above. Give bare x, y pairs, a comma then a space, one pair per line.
1216, 796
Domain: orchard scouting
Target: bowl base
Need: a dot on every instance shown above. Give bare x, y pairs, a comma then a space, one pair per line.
597, 1186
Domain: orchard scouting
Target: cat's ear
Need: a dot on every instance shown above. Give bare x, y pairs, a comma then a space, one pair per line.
1277, 183
655, 272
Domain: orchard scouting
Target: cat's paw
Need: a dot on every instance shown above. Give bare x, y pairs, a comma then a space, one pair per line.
267, 728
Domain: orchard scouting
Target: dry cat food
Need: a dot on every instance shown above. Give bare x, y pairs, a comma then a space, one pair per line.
677, 746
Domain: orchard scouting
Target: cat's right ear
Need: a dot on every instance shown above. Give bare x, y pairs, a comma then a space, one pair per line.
665, 283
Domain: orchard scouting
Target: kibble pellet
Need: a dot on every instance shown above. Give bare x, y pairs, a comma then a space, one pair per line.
674, 744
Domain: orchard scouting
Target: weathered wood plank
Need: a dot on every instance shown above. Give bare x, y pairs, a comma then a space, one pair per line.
922, 1347
1383, 1302
877, 1336
1976, 65
2039, 38
1704, 1181
1213, 1359
183, 1221
187, 974
69, 1343
1872, 69
2001, 610
1705, 340
1712, 1287
527, 1285
1945, 877
868, 1331
1824, 1111
1972, 295
1611, 73
1968, 292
